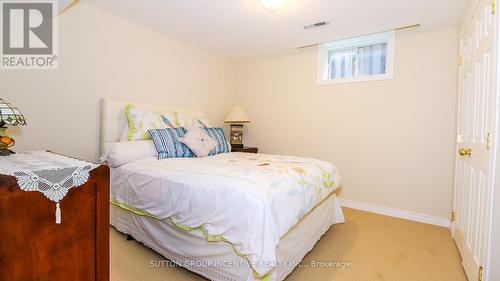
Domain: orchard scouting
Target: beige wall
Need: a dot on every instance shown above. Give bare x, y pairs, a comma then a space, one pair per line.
393, 141
102, 55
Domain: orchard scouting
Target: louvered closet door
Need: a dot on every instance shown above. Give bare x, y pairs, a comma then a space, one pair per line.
476, 121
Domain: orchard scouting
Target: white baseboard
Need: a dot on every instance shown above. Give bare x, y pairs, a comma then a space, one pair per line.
402, 214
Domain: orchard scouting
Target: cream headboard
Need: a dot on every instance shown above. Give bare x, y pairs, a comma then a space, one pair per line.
113, 118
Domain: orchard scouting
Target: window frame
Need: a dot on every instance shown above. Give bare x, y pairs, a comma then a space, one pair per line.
324, 49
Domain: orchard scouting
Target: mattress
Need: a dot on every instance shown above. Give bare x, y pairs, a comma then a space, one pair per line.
217, 260
247, 200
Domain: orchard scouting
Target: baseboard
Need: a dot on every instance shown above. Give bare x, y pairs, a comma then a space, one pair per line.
402, 214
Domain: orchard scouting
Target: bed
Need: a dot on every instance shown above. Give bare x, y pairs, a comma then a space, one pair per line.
232, 216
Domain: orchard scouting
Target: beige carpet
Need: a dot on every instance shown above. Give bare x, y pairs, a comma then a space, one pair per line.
378, 248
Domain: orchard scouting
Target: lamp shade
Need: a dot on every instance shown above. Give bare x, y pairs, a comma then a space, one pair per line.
237, 115
10, 115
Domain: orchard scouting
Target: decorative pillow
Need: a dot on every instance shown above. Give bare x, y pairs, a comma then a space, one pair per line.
140, 121
198, 141
167, 143
177, 119
166, 119
217, 134
203, 122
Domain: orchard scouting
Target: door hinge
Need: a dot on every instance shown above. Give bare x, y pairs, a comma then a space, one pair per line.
460, 60
480, 274
493, 7
452, 216
489, 141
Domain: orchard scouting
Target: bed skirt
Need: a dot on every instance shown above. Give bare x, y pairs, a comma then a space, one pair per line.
218, 260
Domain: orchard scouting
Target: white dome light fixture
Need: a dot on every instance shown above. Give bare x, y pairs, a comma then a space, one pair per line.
272, 5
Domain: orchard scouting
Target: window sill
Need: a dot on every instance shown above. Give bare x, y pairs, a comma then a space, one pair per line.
356, 79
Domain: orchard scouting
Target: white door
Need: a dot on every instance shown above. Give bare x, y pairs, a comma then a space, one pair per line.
476, 124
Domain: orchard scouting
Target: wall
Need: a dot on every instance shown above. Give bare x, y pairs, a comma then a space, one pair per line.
393, 141
102, 55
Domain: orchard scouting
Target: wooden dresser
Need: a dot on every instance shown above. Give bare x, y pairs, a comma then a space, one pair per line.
33, 247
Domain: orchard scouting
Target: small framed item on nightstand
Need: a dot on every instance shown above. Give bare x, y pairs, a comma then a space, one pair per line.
245, 149
237, 117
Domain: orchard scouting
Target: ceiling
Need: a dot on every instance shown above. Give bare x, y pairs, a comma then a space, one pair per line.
244, 30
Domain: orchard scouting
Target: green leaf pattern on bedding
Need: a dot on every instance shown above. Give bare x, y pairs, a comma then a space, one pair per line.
140, 121
300, 177
178, 119
328, 181
284, 188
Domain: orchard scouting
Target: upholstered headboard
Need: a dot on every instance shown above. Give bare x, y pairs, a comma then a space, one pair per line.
113, 118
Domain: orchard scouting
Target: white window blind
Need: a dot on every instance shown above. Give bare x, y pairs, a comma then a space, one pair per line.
342, 63
357, 59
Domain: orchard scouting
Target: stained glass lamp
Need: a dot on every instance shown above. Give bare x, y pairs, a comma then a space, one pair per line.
9, 115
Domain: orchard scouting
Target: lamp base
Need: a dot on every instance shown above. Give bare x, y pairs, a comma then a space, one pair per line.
236, 136
5, 141
6, 152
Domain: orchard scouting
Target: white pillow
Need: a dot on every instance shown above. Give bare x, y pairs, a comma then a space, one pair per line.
198, 141
121, 153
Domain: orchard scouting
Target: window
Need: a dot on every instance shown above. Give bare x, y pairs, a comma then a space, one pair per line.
364, 58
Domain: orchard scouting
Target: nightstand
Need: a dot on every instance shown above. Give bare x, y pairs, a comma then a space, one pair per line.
245, 149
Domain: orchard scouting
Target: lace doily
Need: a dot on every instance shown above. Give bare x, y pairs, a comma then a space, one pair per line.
51, 174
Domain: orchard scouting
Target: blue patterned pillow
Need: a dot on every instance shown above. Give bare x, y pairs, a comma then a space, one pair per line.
217, 134
167, 143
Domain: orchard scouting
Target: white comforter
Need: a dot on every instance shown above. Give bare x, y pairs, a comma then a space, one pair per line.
250, 199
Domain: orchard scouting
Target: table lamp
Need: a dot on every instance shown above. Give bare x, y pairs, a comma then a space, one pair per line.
237, 117
9, 115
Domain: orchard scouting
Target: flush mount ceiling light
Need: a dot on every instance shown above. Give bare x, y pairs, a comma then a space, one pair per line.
272, 5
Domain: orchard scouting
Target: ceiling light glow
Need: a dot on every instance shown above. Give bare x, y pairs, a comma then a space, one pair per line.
272, 5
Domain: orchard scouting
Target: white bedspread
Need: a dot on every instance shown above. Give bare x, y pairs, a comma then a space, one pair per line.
251, 200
